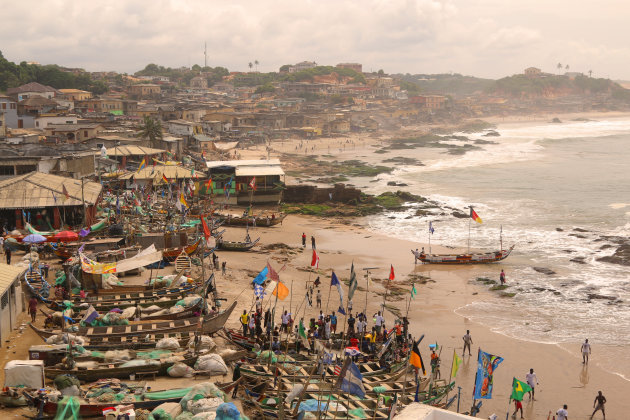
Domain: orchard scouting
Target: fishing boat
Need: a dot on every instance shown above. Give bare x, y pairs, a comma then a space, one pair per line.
236, 246
170, 254
230, 220
37, 284
205, 325
467, 258
183, 263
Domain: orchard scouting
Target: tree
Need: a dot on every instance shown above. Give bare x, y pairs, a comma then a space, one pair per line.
381, 72
590, 73
285, 68
256, 63
152, 130
567, 67
250, 66
559, 67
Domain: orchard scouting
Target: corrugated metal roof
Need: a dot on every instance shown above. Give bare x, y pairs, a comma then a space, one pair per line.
237, 163
171, 172
133, 151
258, 170
36, 190
8, 274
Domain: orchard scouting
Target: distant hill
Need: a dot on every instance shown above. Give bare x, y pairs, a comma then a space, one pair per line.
455, 85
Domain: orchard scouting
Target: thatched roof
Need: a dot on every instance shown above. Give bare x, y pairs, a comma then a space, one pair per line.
37, 190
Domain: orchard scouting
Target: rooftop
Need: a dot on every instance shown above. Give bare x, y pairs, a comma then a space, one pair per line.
31, 87
133, 151
155, 172
8, 274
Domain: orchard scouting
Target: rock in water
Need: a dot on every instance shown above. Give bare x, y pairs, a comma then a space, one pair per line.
544, 270
621, 256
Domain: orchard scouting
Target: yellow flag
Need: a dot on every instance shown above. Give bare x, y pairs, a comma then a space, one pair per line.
281, 291
457, 361
183, 200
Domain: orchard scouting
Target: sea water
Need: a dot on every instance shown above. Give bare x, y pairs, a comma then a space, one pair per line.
556, 191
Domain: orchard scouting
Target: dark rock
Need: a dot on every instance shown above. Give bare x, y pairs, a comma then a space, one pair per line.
621, 256
492, 133
559, 230
578, 260
544, 270
580, 230
605, 246
460, 215
568, 251
577, 236
556, 120
603, 297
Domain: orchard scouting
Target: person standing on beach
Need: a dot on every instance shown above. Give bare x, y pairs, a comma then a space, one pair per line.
502, 277
562, 413
467, 342
586, 351
8, 255
32, 308
598, 404
303, 240
532, 381
312, 242
378, 322
244, 322
319, 299
517, 406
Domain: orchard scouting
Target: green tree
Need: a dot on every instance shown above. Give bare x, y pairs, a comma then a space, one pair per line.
256, 63
152, 130
266, 88
250, 66
285, 68
381, 72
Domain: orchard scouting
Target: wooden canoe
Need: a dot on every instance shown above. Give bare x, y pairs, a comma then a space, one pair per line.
248, 221
236, 246
170, 254
209, 325
460, 259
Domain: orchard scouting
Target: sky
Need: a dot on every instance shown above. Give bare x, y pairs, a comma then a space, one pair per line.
483, 38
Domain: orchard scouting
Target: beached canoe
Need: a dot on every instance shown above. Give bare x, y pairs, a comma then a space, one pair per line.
236, 246
474, 258
230, 220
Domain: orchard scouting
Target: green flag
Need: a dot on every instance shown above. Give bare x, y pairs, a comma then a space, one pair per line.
301, 330
519, 389
457, 361
353, 283
414, 292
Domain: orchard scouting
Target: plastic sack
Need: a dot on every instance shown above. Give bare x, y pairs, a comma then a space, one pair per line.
118, 355
167, 343
202, 390
129, 312
180, 370
205, 342
151, 308
87, 365
206, 415
226, 353
73, 391
141, 362
228, 411
185, 416
203, 405
212, 364
297, 388
65, 381
176, 309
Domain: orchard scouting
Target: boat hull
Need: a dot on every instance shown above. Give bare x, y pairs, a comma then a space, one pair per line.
463, 259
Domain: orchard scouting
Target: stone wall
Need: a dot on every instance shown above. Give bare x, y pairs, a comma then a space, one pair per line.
312, 194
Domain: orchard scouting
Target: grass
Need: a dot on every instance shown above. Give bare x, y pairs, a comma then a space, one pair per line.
499, 287
309, 209
486, 280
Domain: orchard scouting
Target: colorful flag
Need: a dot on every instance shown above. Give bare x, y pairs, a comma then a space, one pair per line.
182, 200
252, 184
474, 215
142, 165
341, 310
272, 274
259, 292
457, 361
392, 276
164, 178
353, 283
334, 281
431, 230
281, 291
416, 359
351, 380
414, 292
302, 335
484, 382
315, 260
262, 276
65, 191
519, 389
209, 184
206, 229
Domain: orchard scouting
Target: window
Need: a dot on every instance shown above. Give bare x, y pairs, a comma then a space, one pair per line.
13, 106
7, 170
85, 133
4, 105
36, 123
5, 300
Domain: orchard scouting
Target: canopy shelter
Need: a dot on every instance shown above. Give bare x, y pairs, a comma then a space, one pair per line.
157, 173
265, 174
37, 196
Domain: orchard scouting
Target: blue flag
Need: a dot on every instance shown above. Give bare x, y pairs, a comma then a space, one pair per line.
341, 310
431, 230
352, 381
334, 281
259, 292
260, 278
484, 382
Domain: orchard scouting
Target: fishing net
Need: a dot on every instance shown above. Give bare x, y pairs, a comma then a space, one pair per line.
171, 393
202, 390
154, 354
65, 381
59, 281
228, 411
68, 409
357, 413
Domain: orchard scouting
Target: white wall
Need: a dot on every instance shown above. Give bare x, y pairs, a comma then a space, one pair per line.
45, 121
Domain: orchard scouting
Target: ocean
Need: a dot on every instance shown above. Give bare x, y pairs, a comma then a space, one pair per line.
558, 192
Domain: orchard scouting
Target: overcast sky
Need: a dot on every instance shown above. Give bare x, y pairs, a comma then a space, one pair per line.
486, 38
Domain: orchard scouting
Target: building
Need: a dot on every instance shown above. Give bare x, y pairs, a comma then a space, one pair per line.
30, 90
8, 114
11, 298
199, 82
153, 175
42, 195
429, 101
73, 133
184, 128
532, 72
304, 65
267, 174
353, 66
44, 120
75, 94
145, 90
126, 154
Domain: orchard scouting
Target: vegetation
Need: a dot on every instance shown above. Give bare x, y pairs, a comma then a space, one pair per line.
309, 74
152, 130
266, 88
447, 84
14, 75
183, 76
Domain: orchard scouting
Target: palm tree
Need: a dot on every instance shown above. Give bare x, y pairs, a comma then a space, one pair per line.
250, 66
152, 130
590, 73
256, 63
567, 67
559, 66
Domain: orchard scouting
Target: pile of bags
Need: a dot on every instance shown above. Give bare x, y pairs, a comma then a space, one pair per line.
212, 364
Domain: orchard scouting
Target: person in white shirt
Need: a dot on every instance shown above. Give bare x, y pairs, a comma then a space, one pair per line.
586, 351
562, 414
532, 381
378, 322
286, 318
360, 325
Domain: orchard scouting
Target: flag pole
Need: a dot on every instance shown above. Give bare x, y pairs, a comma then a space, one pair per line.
473, 408
469, 221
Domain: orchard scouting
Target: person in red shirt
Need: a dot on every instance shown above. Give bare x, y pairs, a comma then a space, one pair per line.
517, 406
32, 308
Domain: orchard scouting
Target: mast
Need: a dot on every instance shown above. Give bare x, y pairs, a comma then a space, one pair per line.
469, 220
501, 238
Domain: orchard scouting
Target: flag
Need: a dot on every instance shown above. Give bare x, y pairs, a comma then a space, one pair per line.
272, 274
416, 359
352, 351
337, 370
353, 283
90, 315
431, 230
315, 260
164, 178
209, 184
281, 291
334, 281
142, 165
271, 286
302, 334
252, 184
259, 292
414, 292
351, 380
474, 215
54, 198
391, 273
262, 276
385, 346
341, 310
457, 361
484, 381
117, 205
519, 389
206, 229
182, 200
65, 191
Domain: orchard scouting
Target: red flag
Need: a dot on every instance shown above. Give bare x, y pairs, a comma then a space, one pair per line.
315, 260
252, 184
65, 191
206, 230
391, 273
209, 185
271, 273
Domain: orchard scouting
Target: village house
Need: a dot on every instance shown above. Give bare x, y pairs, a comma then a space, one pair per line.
130, 107
30, 90
145, 90
11, 298
304, 65
429, 101
532, 72
267, 174
75, 94
133, 155
8, 114
198, 82
184, 128
73, 133
44, 120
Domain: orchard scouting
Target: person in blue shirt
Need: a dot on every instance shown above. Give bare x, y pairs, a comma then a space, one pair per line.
333, 322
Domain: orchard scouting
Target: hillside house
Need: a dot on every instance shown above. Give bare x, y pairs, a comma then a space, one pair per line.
73, 133
145, 90
30, 90
532, 72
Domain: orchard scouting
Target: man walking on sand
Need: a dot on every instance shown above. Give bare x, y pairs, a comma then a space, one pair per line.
312, 242
598, 404
303, 240
532, 381
586, 351
562, 413
502, 277
467, 342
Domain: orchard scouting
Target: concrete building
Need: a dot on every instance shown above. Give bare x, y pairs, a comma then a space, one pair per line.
184, 128
353, 66
532, 72
30, 90
75, 94
199, 82
145, 90
267, 173
304, 65
8, 114
12, 301
73, 133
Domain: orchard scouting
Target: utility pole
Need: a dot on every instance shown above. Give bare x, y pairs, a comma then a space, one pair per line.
205, 54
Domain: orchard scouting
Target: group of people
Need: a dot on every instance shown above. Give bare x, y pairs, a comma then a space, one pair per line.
304, 241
